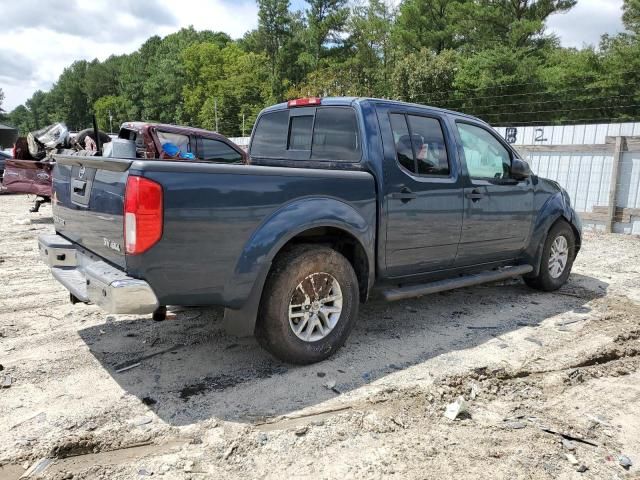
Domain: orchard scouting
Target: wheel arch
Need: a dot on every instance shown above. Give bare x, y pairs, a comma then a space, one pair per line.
322, 220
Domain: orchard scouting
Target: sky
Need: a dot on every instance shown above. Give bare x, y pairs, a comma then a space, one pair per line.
40, 38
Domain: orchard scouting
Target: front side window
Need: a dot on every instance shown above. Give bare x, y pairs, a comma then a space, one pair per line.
484, 155
420, 145
216, 151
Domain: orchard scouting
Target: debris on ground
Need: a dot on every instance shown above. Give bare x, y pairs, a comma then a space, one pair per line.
37, 468
128, 367
572, 459
625, 462
456, 408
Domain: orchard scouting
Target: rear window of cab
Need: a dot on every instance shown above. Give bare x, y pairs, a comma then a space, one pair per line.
309, 133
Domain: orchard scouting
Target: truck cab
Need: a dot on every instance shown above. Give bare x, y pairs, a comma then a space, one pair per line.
343, 198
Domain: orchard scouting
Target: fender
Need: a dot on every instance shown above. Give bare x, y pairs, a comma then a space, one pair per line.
554, 208
244, 291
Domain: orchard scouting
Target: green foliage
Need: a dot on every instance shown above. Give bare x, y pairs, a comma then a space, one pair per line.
420, 76
631, 15
111, 111
429, 24
490, 58
21, 118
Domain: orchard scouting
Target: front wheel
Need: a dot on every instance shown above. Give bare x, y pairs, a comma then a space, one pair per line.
309, 305
558, 254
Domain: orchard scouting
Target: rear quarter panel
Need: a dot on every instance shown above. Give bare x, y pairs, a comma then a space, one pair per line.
223, 222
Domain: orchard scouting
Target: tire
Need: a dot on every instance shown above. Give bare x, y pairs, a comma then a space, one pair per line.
548, 278
314, 270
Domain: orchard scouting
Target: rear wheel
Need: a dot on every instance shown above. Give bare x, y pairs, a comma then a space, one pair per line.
558, 254
309, 305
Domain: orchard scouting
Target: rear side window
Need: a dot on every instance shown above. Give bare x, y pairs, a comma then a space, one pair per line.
420, 146
325, 134
211, 150
401, 137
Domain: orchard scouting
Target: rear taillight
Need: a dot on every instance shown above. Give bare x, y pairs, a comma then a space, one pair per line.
303, 102
143, 212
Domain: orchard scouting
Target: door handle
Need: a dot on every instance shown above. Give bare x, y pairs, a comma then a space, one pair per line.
475, 195
405, 194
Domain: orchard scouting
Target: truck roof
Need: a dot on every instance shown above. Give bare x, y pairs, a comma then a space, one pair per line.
348, 101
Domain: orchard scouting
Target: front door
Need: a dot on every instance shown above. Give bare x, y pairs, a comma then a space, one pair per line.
423, 193
498, 210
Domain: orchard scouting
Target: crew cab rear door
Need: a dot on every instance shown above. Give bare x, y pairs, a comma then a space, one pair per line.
422, 191
498, 210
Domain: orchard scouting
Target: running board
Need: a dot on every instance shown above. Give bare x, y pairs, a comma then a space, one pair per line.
401, 293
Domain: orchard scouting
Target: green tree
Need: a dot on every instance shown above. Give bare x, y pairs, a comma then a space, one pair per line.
41, 109
111, 111
370, 28
274, 23
21, 118
162, 89
430, 24
67, 101
424, 76
326, 20
224, 83
488, 82
631, 15
482, 24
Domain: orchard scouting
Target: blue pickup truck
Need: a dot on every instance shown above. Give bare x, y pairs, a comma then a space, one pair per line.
343, 199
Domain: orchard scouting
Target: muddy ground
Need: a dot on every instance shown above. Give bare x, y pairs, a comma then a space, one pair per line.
552, 374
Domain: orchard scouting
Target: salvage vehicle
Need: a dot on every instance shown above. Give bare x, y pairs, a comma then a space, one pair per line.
4, 156
30, 172
344, 199
151, 141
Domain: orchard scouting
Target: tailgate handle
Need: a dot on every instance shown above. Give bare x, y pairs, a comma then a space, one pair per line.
79, 186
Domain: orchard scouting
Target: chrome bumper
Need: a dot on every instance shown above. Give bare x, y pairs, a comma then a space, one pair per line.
92, 280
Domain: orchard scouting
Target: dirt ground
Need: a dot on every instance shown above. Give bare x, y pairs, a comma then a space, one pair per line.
551, 381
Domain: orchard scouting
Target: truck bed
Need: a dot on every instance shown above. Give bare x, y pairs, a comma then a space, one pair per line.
211, 214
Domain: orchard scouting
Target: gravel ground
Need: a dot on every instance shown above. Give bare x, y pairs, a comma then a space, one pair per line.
551, 382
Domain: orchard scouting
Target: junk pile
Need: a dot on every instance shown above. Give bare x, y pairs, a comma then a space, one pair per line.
31, 169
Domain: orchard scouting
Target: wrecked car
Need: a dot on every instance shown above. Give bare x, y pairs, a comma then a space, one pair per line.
30, 172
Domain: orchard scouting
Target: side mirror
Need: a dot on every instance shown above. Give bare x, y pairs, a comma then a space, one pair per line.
520, 169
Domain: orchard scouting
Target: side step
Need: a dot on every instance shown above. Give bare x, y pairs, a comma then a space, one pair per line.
401, 293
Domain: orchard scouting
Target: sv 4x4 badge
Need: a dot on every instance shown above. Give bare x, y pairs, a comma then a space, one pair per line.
111, 244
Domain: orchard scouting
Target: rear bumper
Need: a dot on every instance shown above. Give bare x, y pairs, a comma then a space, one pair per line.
92, 280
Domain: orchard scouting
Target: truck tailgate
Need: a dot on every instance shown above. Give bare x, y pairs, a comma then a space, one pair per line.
88, 203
